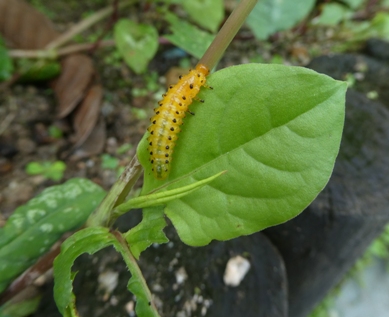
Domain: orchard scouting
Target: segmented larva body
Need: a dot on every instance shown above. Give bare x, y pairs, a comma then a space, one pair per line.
165, 124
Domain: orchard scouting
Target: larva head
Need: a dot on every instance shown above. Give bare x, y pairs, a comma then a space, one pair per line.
202, 69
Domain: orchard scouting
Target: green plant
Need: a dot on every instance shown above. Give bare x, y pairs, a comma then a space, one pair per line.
55, 132
6, 67
48, 170
257, 153
109, 162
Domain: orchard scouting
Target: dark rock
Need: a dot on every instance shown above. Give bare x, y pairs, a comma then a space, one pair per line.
370, 74
322, 243
378, 49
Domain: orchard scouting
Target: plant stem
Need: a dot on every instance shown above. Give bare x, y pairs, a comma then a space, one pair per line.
103, 216
227, 33
85, 24
54, 54
136, 273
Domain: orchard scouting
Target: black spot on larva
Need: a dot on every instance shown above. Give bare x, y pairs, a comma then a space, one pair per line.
198, 75
191, 86
152, 132
166, 155
164, 95
201, 81
169, 138
171, 129
180, 104
155, 121
180, 77
177, 112
167, 147
157, 112
152, 162
167, 161
183, 98
151, 143
174, 120
151, 153
171, 86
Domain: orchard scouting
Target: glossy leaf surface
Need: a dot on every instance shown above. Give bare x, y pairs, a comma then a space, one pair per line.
275, 129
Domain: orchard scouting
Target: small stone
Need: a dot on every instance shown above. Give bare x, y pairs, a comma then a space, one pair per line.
108, 280
236, 269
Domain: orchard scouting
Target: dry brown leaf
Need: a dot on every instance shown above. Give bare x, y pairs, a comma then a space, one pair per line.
23, 26
26, 28
94, 144
70, 87
87, 114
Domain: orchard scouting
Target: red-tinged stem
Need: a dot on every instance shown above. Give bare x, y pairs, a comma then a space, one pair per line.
226, 34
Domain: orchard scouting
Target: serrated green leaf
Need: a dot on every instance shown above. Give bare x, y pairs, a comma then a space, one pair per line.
214, 9
147, 232
269, 16
91, 240
34, 227
275, 129
137, 43
187, 36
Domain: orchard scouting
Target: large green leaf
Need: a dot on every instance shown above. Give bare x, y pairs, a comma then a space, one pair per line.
275, 129
34, 227
270, 16
137, 43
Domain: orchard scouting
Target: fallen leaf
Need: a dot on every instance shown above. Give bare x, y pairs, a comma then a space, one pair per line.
23, 26
70, 87
94, 144
87, 114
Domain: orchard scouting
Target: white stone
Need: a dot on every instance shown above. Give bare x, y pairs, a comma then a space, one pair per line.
236, 269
